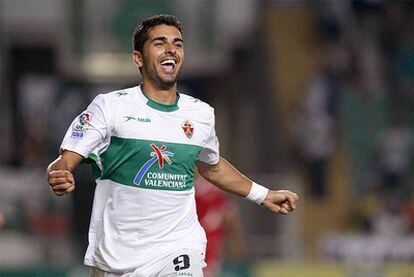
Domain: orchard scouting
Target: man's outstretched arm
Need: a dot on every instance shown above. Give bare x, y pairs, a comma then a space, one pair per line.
228, 178
59, 172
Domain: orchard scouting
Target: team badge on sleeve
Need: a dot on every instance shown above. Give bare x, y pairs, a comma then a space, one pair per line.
81, 125
188, 128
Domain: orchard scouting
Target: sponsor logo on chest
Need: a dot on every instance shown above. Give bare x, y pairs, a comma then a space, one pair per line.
157, 178
137, 119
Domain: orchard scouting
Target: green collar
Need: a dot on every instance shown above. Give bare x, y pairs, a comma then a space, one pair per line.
160, 106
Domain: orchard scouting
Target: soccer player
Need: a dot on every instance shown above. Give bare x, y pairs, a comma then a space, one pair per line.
146, 141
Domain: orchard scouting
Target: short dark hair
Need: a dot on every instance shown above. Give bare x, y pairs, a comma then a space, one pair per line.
140, 35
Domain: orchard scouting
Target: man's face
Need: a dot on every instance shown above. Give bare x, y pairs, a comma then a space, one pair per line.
162, 57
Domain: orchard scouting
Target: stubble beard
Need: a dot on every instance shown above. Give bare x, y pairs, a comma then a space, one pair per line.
161, 83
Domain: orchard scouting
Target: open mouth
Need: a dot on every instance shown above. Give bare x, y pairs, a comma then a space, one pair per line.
168, 65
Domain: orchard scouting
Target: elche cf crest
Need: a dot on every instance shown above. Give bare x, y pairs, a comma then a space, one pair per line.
188, 128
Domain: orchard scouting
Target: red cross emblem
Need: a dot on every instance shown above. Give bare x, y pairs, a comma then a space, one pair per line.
188, 128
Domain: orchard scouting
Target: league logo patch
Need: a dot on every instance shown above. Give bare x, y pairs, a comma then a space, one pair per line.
83, 121
188, 128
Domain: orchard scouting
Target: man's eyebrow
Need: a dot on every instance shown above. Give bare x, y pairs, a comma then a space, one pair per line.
162, 38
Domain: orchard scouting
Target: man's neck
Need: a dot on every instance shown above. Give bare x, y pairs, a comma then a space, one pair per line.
167, 97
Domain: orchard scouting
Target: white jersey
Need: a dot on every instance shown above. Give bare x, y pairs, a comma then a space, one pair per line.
145, 153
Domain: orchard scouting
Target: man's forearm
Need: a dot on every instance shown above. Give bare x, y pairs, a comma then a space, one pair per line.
67, 161
58, 164
226, 177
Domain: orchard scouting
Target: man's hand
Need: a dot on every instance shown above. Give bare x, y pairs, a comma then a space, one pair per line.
61, 181
59, 175
281, 201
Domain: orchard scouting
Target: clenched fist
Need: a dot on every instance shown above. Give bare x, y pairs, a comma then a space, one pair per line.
61, 181
281, 201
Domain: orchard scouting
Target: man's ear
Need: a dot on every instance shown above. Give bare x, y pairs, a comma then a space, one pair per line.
138, 59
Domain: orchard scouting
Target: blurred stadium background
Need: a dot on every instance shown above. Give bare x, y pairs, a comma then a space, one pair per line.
312, 96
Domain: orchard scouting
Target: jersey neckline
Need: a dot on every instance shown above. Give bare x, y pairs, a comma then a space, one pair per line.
160, 106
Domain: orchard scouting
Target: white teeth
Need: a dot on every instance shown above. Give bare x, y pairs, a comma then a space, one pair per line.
165, 62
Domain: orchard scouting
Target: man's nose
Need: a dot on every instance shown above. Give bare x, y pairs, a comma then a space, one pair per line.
170, 49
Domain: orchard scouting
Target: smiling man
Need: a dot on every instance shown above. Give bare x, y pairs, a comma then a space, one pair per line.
147, 142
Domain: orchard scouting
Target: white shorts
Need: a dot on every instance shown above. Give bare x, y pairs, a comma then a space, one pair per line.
186, 263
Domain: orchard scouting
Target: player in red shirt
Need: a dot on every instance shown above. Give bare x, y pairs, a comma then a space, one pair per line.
219, 217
